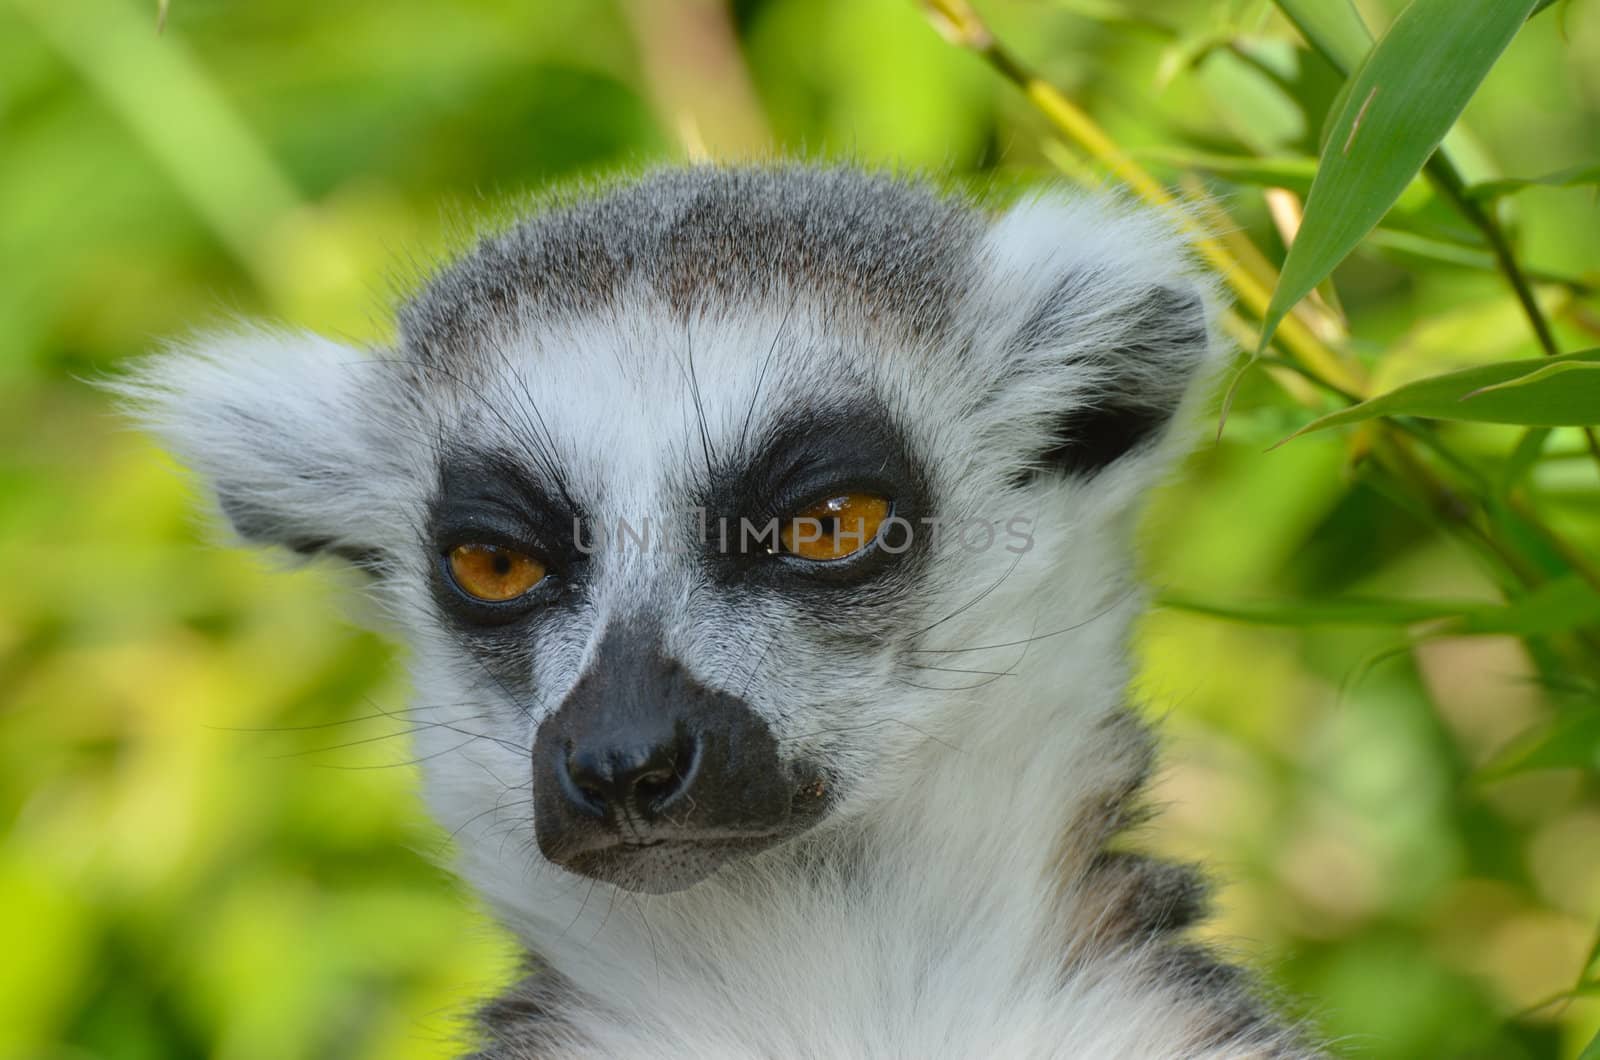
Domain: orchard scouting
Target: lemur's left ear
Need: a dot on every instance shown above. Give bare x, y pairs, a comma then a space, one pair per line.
1105, 332
288, 431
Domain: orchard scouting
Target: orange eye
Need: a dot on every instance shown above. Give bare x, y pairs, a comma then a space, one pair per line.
835, 528
494, 574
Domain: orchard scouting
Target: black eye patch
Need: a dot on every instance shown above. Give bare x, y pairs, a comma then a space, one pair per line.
491, 484
805, 457
489, 497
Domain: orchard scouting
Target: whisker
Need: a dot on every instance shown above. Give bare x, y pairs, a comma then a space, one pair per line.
975, 601
960, 670
744, 432
655, 957
607, 918
313, 726
1112, 606
396, 765
499, 804
831, 730
414, 730
579, 914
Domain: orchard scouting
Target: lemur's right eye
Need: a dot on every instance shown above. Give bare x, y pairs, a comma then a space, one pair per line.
835, 528
494, 574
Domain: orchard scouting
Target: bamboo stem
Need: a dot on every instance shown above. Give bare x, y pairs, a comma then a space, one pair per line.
961, 25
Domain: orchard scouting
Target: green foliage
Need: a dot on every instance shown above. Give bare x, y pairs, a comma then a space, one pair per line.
1555, 607
1571, 177
1380, 655
1395, 109
1572, 741
1333, 27
1561, 391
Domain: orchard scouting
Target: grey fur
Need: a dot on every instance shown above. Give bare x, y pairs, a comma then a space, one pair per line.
964, 888
709, 236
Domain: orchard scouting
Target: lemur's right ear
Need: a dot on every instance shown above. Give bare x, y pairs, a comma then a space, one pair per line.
287, 430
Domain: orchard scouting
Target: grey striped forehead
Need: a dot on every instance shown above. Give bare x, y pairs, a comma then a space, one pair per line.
895, 250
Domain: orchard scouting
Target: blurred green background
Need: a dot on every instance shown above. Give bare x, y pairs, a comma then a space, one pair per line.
209, 841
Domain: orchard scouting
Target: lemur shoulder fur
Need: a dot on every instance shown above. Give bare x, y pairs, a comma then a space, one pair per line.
759, 537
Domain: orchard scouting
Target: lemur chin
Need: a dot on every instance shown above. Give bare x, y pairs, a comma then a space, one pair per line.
760, 538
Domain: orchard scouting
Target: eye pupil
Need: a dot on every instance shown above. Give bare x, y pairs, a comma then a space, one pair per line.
502, 563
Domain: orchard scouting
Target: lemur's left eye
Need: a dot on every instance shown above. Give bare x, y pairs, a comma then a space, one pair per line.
494, 574
835, 528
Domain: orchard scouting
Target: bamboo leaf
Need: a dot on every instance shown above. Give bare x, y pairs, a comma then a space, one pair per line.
1556, 607
1592, 1050
1527, 453
1333, 27
1572, 741
1283, 171
1413, 247
1296, 174
1109, 13
1573, 177
1347, 611
1404, 98
1539, 377
1477, 395
1588, 962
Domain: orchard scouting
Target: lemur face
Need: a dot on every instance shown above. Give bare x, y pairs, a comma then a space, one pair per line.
706, 502
685, 584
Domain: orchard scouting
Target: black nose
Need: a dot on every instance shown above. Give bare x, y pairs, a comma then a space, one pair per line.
638, 780
648, 779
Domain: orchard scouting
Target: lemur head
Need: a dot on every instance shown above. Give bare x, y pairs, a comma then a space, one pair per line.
705, 501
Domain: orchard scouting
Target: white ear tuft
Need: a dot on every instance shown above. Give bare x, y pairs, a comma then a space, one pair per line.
295, 433
1103, 320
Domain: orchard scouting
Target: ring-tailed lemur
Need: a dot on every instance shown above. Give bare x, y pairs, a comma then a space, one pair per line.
760, 537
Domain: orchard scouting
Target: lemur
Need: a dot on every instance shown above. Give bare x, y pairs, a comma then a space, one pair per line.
760, 539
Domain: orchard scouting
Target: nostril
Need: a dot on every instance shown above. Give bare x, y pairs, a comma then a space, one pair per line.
639, 781
590, 793
685, 765
655, 783
654, 787
586, 781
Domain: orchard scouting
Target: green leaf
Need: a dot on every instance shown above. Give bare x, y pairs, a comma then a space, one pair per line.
1541, 398
1412, 247
1347, 611
1542, 375
1108, 13
1572, 741
1527, 453
1592, 1050
1573, 177
1404, 98
1293, 173
1588, 961
1556, 607
1284, 171
1333, 27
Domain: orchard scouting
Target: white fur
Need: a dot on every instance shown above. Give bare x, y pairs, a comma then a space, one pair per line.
933, 927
